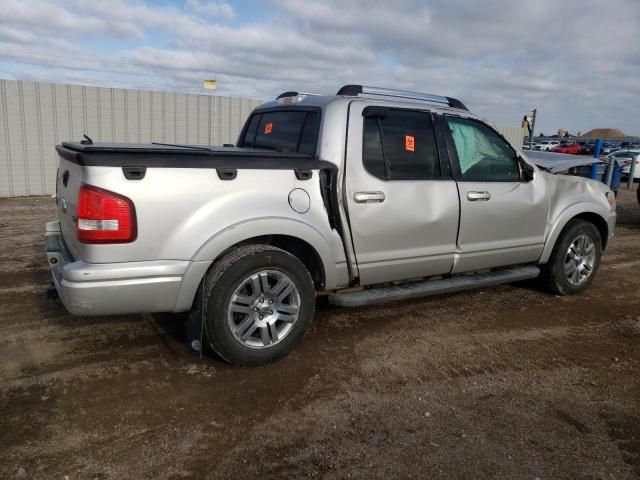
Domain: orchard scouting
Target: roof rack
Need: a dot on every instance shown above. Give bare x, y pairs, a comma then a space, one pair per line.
355, 90
294, 94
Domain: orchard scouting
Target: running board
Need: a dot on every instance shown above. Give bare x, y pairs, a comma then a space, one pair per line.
372, 296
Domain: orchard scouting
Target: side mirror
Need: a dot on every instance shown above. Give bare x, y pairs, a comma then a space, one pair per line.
527, 170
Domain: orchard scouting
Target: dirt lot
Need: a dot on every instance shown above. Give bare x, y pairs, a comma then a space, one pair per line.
505, 382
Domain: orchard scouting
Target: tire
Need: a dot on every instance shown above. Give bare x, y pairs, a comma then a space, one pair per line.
558, 274
258, 303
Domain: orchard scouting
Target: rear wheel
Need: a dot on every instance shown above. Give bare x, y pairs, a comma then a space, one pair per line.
575, 259
259, 302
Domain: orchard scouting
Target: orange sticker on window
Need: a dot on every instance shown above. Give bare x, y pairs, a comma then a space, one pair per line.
409, 143
268, 128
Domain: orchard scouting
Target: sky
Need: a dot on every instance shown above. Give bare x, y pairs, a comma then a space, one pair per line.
576, 61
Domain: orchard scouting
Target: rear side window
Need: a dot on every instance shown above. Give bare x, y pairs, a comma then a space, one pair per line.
283, 131
400, 145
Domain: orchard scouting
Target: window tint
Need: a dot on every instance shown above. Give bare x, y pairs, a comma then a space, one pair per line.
482, 153
250, 135
405, 140
309, 134
283, 131
372, 148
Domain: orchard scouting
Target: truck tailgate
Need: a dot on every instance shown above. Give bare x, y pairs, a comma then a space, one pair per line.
70, 177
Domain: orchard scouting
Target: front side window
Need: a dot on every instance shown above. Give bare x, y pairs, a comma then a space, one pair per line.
482, 153
283, 131
400, 145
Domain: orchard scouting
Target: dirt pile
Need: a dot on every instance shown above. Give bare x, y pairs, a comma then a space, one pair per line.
603, 133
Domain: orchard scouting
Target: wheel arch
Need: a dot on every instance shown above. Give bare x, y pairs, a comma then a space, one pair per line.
572, 213
599, 222
297, 247
298, 238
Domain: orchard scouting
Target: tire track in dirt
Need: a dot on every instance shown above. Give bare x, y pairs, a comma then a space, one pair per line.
505, 382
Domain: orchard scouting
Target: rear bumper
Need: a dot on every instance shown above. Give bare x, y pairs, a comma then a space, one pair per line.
120, 288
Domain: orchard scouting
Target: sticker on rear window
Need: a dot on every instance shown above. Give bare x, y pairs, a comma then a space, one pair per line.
409, 143
268, 128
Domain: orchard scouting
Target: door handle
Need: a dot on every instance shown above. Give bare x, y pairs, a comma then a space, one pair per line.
369, 197
475, 196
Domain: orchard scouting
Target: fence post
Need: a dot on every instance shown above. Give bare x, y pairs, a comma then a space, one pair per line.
610, 167
596, 154
632, 172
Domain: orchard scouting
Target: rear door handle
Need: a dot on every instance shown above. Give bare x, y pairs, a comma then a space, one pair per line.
369, 197
475, 196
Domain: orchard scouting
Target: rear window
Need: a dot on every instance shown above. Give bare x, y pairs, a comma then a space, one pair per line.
283, 131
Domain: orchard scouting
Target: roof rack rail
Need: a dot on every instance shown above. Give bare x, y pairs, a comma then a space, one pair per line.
355, 90
294, 94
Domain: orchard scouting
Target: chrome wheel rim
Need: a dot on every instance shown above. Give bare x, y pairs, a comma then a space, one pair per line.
579, 261
263, 309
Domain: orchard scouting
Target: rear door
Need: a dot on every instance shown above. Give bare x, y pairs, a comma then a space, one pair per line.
402, 202
503, 215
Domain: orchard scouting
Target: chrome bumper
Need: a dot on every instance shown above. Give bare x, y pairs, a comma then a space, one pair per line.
120, 288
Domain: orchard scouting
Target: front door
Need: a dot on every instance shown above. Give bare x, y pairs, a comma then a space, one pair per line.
503, 215
403, 212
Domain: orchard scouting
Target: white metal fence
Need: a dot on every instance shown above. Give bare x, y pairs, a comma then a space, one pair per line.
514, 134
35, 116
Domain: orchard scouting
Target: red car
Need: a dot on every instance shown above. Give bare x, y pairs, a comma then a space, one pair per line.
571, 148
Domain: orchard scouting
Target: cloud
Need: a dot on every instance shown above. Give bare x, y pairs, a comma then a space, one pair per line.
579, 67
49, 18
210, 9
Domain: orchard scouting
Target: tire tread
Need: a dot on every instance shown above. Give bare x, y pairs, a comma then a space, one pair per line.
552, 273
217, 271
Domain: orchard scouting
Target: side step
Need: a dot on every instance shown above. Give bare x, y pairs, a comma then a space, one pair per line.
373, 296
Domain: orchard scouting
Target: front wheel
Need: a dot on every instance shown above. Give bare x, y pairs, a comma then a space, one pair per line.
574, 260
259, 301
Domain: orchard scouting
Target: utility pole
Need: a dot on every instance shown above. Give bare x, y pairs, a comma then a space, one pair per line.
532, 129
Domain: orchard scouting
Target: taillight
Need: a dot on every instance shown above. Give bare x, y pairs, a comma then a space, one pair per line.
105, 217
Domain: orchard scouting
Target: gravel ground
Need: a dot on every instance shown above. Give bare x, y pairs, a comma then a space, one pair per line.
507, 382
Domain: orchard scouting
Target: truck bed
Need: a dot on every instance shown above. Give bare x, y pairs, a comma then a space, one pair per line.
186, 156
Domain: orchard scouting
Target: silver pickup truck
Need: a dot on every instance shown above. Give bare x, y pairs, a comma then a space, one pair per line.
369, 195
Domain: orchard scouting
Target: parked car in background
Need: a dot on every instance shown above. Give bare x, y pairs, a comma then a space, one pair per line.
608, 148
546, 145
587, 149
570, 148
625, 159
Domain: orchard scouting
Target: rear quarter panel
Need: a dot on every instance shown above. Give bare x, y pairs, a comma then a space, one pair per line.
190, 214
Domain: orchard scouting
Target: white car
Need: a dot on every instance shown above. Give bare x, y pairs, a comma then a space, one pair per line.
546, 145
625, 157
